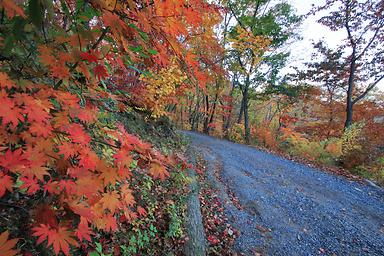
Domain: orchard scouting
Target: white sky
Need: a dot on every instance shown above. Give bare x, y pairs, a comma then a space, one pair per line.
311, 31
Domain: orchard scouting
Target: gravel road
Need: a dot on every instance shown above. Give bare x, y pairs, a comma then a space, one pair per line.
287, 208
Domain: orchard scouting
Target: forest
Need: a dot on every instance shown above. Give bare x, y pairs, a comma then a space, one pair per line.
94, 94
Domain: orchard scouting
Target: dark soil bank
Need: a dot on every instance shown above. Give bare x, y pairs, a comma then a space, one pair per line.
286, 208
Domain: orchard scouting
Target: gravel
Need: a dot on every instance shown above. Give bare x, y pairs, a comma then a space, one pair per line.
289, 208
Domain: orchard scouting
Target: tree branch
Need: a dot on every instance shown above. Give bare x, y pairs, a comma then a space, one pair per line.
369, 88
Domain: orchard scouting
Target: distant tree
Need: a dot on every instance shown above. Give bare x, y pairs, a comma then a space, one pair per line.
261, 29
363, 49
329, 74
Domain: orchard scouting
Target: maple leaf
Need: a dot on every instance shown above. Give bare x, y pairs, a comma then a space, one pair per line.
6, 183
88, 159
60, 70
129, 215
44, 214
123, 158
110, 201
68, 149
87, 185
84, 114
40, 129
108, 173
38, 161
141, 211
127, 195
14, 161
60, 238
37, 110
77, 134
67, 185
9, 112
82, 210
5, 81
12, 9
6, 246
31, 184
46, 56
158, 170
83, 231
90, 56
100, 72
110, 223
51, 187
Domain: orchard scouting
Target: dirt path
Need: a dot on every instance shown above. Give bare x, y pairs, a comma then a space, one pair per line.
286, 208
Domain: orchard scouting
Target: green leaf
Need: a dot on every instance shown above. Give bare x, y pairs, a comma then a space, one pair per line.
99, 248
143, 55
136, 49
152, 51
143, 35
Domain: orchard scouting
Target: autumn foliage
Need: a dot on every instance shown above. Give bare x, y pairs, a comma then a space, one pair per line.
65, 67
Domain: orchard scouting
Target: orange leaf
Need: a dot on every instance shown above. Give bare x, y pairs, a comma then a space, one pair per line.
12, 9
127, 196
5, 82
158, 170
7, 245
60, 238
110, 201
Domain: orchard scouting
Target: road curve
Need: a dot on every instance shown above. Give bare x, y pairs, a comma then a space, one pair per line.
288, 208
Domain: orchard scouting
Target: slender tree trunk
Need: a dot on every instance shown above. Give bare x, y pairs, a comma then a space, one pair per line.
213, 111
245, 110
195, 114
206, 115
351, 85
241, 110
227, 123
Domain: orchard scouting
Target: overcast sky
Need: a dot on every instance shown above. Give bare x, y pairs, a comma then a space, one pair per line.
311, 31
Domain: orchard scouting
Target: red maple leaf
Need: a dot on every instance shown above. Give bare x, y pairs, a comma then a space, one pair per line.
77, 134
8, 111
31, 184
40, 129
141, 211
60, 238
83, 231
90, 56
6, 183
68, 149
100, 72
14, 161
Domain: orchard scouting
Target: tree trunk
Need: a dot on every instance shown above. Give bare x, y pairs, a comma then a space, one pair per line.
246, 118
213, 112
228, 119
241, 110
351, 85
206, 115
245, 110
195, 115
